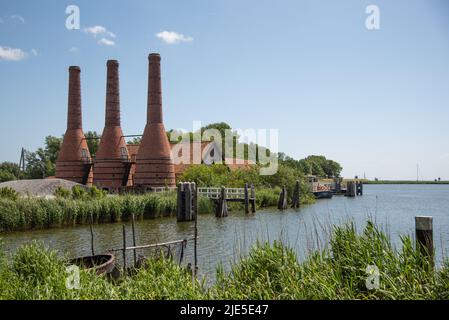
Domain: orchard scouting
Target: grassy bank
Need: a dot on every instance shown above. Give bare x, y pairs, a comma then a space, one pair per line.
270, 271
19, 213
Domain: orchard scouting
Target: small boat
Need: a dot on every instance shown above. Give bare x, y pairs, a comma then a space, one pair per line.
323, 195
101, 263
321, 188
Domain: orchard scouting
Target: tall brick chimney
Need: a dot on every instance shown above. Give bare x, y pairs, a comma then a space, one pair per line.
154, 163
74, 161
111, 167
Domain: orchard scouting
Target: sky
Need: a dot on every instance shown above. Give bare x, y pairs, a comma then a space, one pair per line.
376, 101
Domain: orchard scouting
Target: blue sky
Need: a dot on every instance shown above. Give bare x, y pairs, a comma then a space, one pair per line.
377, 101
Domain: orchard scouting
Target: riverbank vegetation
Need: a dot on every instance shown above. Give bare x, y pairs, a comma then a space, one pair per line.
79, 206
269, 271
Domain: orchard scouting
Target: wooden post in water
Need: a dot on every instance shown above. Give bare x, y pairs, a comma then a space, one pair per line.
195, 256
124, 250
134, 238
180, 212
188, 202
282, 203
195, 200
222, 208
359, 188
92, 235
253, 199
350, 189
246, 199
424, 235
296, 197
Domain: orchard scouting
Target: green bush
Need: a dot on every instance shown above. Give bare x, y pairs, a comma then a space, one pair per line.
62, 192
8, 193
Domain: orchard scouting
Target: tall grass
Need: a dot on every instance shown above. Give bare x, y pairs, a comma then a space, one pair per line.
269, 271
38, 213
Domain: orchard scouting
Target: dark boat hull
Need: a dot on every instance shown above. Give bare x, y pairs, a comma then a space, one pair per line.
323, 195
102, 263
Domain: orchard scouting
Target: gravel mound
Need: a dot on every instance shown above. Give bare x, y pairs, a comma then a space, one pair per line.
39, 187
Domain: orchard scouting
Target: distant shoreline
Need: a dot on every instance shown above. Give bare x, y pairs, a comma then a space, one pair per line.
404, 182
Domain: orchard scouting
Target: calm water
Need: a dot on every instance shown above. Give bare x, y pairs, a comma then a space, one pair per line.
223, 240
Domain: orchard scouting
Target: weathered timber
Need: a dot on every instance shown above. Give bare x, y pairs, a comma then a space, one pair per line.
424, 236
282, 203
296, 195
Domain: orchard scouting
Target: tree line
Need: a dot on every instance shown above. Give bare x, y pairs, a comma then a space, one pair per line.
42, 162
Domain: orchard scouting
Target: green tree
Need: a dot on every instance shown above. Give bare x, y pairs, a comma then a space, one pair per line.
9, 171
93, 140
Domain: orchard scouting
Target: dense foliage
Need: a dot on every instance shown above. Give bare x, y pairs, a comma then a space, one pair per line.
269, 271
77, 208
217, 175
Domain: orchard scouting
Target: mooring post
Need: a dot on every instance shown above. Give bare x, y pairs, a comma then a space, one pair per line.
424, 235
222, 205
359, 188
350, 189
134, 238
282, 203
124, 250
92, 235
195, 256
179, 214
253, 199
195, 200
246, 199
295, 198
188, 202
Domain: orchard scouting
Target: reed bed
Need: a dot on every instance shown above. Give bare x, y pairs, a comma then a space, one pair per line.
39, 213
269, 271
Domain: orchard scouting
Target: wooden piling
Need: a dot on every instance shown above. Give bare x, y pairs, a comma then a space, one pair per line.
350, 189
424, 235
222, 208
253, 199
188, 202
92, 235
195, 200
180, 211
124, 250
134, 238
282, 203
296, 195
246, 200
195, 243
359, 188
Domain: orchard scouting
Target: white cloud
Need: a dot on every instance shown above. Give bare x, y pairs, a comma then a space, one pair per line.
99, 30
73, 49
172, 37
11, 54
103, 32
18, 17
106, 42
34, 52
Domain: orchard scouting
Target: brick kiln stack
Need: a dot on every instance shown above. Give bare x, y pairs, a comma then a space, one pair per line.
74, 161
112, 165
154, 163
